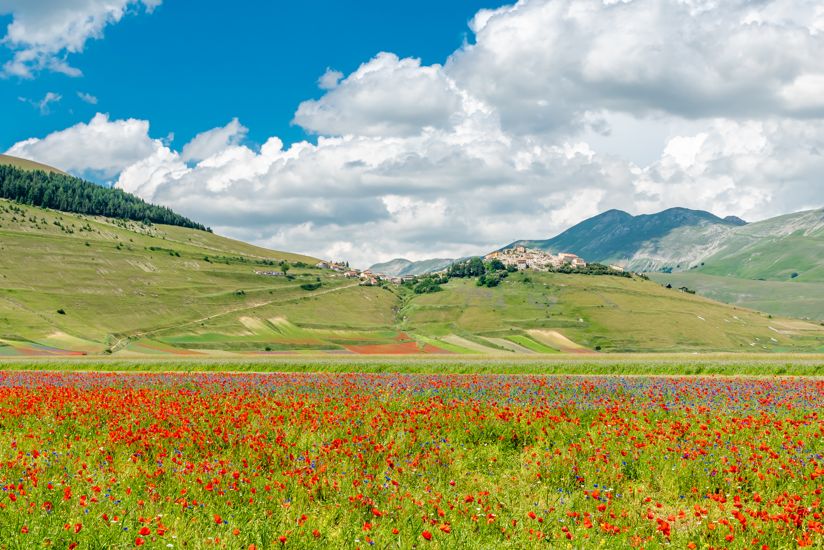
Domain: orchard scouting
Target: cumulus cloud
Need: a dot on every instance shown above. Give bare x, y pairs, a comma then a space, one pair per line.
441, 192
43, 33
386, 96
544, 64
329, 79
101, 147
213, 141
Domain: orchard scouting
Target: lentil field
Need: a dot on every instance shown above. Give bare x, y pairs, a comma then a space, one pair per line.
337, 460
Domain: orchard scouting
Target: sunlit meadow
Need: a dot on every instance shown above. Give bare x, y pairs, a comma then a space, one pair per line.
218, 460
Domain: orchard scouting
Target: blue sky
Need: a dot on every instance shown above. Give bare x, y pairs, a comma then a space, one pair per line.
188, 70
372, 130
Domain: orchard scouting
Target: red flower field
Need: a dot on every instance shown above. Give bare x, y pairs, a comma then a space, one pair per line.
92, 460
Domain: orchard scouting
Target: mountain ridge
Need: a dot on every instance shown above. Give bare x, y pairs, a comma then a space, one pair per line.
614, 236
400, 267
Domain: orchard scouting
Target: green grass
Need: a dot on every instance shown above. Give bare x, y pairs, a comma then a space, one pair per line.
531, 344
611, 313
804, 300
122, 281
684, 364
96, 285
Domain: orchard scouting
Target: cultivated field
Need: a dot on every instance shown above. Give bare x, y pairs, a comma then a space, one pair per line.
407, 453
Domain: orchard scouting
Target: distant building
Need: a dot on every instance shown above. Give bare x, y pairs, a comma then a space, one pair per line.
524, 258
270, 273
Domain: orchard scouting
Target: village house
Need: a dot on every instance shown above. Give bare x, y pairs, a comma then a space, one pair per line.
370, 281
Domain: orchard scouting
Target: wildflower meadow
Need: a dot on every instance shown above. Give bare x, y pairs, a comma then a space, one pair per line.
322, 460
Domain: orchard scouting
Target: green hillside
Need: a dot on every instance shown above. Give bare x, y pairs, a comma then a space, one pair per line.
776, 265
804, 300
85, 283
71, 283
600, 312
785, 248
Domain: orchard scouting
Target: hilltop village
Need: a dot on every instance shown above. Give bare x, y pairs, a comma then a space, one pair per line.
517, 257
521, 257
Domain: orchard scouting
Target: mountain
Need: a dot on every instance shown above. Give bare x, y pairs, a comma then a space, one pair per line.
643, 242
401, 266
8, 160
745, 264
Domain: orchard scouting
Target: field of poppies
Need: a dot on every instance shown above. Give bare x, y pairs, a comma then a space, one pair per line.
320, 460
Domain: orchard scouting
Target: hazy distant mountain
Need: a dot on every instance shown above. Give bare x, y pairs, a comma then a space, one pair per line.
676, 238
401, 266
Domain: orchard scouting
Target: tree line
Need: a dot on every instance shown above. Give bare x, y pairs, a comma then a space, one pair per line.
70, 194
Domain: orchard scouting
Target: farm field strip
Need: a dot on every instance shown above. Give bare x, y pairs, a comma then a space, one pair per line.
684, 364
324, 459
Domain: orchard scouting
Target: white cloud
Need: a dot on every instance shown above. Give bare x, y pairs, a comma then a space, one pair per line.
102, 148
442, 193
386, 96
87, 98
213, 141
329, 79
544, 64
752, 169
42, 105
43, 33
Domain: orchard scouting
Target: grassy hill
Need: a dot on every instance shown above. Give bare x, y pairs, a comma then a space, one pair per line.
776, 265
71, 283
804, 300
23, 164
578, 312
84, 283
778, 249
